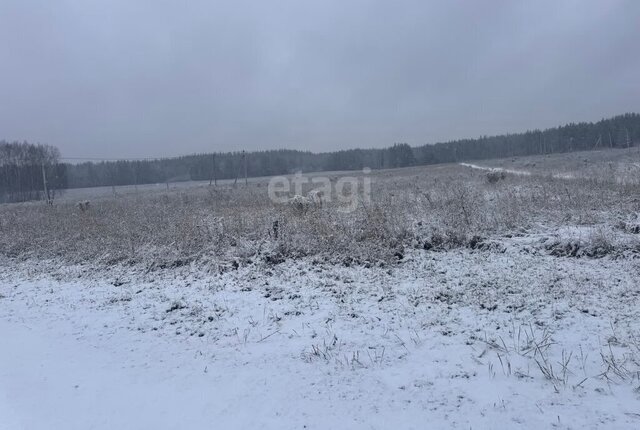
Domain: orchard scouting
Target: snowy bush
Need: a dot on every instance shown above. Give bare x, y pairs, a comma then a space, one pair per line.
494, 176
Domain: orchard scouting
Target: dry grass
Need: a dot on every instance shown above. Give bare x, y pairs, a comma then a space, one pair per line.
445, 206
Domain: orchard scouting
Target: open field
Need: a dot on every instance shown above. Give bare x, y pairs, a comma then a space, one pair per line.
443, 207
621, 165
450, 299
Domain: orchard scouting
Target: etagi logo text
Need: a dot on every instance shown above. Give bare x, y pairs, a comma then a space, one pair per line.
349, 191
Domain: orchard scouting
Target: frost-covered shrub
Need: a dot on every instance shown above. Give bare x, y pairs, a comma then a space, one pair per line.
494, 176
300, 204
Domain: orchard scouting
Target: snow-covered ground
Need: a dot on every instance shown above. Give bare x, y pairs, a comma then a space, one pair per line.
505, 337
621, 165
555, 175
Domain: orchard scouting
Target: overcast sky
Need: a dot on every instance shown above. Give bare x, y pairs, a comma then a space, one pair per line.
134, 78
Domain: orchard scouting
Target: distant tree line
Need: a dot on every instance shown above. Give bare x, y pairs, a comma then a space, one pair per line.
197, 167
21, 162
24, 170
618, 132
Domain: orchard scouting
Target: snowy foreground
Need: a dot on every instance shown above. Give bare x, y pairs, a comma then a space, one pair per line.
505, 337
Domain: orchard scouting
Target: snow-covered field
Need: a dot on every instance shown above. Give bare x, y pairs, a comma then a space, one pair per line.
507, 338
527, 316
623, 164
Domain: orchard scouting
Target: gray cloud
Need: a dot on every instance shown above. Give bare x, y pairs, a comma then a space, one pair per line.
136, 78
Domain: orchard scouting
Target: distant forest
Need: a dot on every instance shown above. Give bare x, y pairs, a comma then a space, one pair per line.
27, 169
24, 166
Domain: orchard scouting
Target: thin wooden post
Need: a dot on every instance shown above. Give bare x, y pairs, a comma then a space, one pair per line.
628, 139
212, 175
44, 183
135, 175
244, 157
